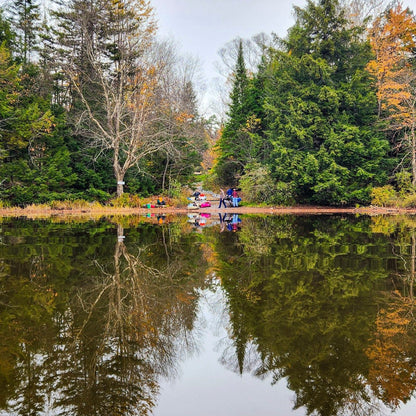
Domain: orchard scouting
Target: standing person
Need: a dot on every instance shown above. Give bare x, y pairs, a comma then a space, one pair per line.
229, 197
235, 198
222, 198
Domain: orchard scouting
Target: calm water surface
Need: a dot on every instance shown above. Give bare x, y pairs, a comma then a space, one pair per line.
203, 315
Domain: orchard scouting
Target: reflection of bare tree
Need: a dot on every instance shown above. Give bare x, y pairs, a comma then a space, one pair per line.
128, 328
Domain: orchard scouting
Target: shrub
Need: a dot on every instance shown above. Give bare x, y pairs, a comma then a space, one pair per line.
210, 181
383, 196
68, 204
175, 189
181, 200
409, 201
126, 200
258, 186
283, 194
4, 204
404, 182
48, 197
98, 195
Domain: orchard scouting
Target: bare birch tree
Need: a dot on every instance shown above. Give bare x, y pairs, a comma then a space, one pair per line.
116, 76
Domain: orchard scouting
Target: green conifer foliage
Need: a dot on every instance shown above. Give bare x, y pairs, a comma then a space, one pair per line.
321, 110
229, 164
241, 139
26, 20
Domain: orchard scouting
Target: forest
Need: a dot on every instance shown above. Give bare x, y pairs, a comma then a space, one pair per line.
93, 105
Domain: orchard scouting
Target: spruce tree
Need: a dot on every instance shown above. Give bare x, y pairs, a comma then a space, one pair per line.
238, 144
25, 15
322, 108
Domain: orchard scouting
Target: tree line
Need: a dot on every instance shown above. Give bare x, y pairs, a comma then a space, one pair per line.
328, 114
92, 103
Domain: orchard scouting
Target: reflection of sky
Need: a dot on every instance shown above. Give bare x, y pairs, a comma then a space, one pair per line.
205, 387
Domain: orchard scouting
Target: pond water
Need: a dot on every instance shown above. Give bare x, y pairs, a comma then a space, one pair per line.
202, 315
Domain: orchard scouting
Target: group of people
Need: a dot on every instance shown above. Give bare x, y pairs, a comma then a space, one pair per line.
231, 196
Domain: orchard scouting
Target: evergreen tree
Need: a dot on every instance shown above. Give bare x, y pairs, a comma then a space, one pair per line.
7, 36
231, 143
35, 161
25, 16
321, 108
238, 106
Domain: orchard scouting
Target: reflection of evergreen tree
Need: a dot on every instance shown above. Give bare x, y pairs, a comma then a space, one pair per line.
309, 303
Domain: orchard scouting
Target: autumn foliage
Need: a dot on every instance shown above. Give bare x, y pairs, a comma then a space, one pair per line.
393, 39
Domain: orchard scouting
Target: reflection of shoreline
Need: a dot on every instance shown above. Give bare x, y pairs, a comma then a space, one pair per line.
313, 295
102, 342
96, 213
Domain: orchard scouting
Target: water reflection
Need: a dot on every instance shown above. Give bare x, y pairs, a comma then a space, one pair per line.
325, 304
93, 315
91, 333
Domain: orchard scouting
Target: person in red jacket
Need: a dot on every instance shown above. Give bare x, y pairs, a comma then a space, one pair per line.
235, 198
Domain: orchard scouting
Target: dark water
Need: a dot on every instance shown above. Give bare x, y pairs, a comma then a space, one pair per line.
249, 315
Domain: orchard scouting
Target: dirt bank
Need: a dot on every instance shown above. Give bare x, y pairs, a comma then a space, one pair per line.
33, 212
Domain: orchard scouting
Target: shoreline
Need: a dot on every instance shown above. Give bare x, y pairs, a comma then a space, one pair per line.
33, 212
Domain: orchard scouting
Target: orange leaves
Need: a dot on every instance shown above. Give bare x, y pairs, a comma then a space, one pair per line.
186, 298
392, 38
141, 92
184, 117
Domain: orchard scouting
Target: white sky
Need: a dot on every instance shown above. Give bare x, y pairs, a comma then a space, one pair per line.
202, 27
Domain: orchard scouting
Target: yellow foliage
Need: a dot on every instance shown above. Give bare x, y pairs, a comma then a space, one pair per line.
252, 124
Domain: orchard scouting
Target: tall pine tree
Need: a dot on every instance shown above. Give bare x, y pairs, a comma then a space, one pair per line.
25, 16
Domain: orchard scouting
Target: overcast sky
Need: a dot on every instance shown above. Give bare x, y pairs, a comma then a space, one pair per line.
202, 27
